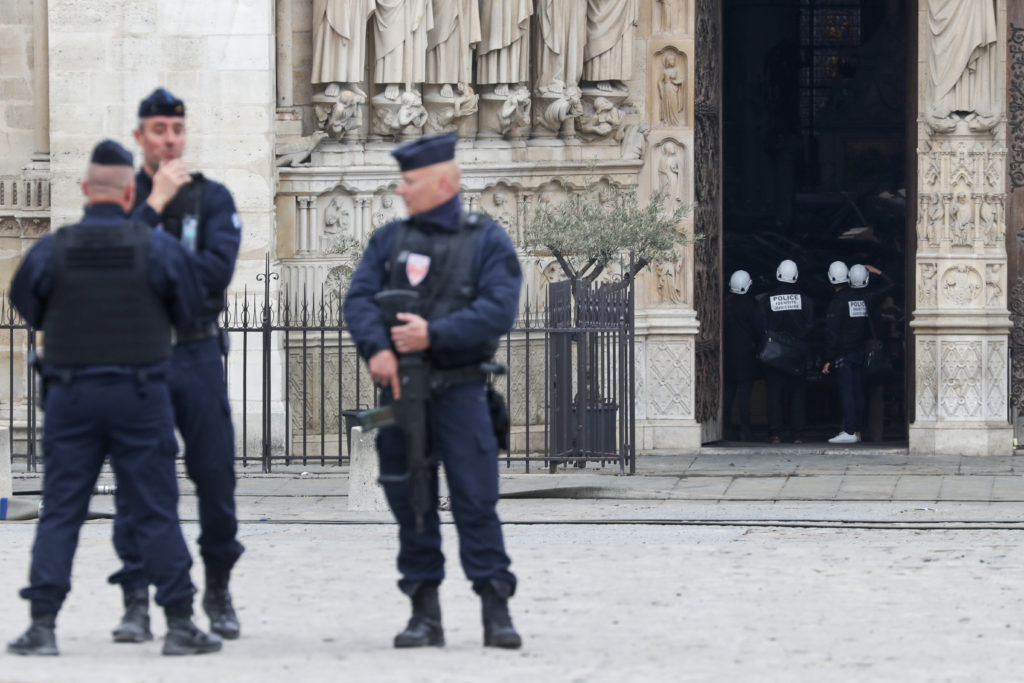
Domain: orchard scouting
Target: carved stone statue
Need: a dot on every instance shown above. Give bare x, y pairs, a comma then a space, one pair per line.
297, 152
670, 172
564, 103
962, 64
560, 42
515, 110
606, 120
400, 42
667, 14
503, 55
634, 142
449, 55
993, 284
608, 54
337, 111
961, 220
339, 40
671, 93
337, 220
386, 213
503, 212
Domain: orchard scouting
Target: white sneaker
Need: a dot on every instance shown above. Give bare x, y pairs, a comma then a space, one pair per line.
843, 437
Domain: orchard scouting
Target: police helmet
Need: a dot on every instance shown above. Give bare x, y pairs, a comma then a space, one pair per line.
858, 276
786, 272
739, 283
837, 273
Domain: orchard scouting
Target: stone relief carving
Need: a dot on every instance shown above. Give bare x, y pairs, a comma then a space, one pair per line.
450, 107
670, 380
961, 284
404, 116
668, 15
961, 220
561, 103
672, 91
962, 65
608, 52
634, 142
670, 281
993, 284
514, 110
503, 210
960, 392
337, 221
385, 211
927, 291
927, 380
989, 222
671, 171
931, 218
995, 380
297, 153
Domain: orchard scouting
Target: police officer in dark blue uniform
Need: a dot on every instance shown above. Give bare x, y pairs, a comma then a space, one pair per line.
106, 292
201, 214
474, 300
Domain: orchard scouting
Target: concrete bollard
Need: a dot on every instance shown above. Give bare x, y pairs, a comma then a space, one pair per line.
5, 472
364, 493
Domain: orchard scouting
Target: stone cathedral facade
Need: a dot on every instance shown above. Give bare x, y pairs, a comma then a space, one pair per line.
295, 104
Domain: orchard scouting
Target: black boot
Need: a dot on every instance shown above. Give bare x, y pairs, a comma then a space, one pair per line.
134, 626
498, 628
39, 640
424, 627
217, 604
183, 636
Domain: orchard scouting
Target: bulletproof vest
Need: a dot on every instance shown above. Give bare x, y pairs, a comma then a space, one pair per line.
439, 265
854, 324
103, 310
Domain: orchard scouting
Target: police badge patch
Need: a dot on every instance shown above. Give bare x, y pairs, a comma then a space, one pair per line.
416, 268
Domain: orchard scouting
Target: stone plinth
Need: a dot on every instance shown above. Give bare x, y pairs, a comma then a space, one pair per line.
364, 493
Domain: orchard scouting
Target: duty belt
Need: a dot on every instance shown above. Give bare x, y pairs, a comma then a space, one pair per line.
442, 379
196, 332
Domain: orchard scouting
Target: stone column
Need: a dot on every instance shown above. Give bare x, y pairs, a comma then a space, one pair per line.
41, 82
285, 66
961, 322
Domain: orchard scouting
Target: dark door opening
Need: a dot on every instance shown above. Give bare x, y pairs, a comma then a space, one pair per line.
814, 145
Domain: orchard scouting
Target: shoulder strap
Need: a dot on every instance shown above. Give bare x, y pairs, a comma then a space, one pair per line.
468, 224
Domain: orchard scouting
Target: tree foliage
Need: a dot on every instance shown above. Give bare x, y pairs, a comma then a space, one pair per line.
596, 227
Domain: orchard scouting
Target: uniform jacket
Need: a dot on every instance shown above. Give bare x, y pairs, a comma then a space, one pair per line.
489, 316
215, 262
786, 309
846, 322
740, 338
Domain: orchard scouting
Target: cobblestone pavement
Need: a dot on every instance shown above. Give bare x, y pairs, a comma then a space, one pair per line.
643, 578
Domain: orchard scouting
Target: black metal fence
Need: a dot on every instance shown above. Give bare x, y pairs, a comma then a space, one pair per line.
296, 381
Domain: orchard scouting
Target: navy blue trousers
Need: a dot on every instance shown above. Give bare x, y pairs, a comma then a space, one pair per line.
461, 437
202, 414
86, 420
850, 380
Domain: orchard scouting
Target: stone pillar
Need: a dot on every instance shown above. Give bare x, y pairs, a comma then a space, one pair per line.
961, 322
41, 82
285, 67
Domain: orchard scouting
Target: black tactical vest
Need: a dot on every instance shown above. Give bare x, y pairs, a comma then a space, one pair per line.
449, 284
103, 310
183, 218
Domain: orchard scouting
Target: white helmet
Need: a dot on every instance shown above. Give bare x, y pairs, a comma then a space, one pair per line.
858, 276
739, 283
786, 272
837, 273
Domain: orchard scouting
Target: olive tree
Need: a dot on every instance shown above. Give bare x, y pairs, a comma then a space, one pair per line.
592, 229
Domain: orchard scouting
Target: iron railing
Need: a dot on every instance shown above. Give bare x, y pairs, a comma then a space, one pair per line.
294, 370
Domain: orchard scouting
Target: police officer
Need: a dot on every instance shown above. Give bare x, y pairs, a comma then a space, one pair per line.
105, 293
787, 310
846, 331
739, 350
474, 302
201, 214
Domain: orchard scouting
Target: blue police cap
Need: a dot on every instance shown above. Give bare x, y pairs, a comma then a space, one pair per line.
110, 153
432, 149
161, 103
